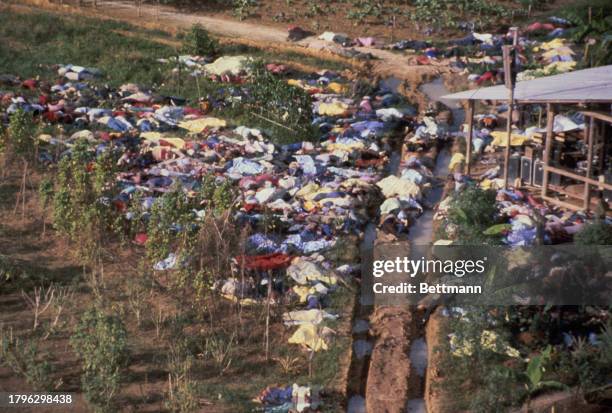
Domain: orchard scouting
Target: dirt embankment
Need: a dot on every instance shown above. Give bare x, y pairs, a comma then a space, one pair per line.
389, 380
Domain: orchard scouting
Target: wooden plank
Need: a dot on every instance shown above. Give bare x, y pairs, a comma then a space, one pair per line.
597, 115
468, 155
550, 119
580, 178
561, 190
562, 203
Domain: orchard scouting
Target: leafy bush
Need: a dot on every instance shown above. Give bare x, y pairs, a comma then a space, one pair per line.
479, 379
169, 215
45, 191
471, 212
244, 8
198, 41
19, 139
82, 207
25, 359
283, 109
598, 29
100, 341
595, 233
446, 13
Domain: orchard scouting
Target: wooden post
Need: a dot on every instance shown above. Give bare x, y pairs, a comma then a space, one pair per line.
267, 333
509, 62
508, 76
587, 188
550, 120
468, 141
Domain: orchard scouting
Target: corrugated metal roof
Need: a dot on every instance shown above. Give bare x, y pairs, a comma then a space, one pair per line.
588, 85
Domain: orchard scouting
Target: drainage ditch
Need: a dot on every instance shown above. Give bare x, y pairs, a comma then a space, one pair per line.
389, 364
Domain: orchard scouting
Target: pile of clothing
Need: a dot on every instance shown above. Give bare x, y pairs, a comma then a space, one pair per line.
322, 192
287, 399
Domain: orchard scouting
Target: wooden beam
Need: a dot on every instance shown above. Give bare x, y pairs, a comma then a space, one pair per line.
597, 115
550, 120
591, 138
470, 131
562, 190
580, 178
562, 203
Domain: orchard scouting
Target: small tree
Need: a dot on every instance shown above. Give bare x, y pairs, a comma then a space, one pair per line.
81, 204
101, 342
19, 139
198, 41
24, 357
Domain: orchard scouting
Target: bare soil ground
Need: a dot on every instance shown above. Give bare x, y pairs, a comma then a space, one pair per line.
50, 258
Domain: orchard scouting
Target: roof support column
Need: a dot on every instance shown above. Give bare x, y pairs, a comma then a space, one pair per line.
550, 120
468, 141
590, 139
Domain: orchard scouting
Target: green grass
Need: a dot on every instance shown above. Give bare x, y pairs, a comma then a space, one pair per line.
31, 43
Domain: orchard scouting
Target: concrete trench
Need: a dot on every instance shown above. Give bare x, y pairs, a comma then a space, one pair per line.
389, 365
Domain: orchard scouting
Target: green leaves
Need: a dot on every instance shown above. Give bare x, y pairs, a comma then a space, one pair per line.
497, 229
199, 42
20, 137
283, 109
100, 341
535, 372
85, 184
472, 212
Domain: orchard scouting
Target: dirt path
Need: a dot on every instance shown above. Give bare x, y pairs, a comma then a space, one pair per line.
166, 18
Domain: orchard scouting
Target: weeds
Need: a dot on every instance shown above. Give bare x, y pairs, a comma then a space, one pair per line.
19, 139
82, 207
39, 302
220, 349
100, 341
182, 392
244, 8
24, 358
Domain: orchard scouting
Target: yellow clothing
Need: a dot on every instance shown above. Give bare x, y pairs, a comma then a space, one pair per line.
198, 125
500, 139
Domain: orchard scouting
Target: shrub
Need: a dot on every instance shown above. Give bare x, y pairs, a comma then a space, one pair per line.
100, 341
25, 359
169, 215
45, 192
595, 233
478, 379
285, 110
82, 207
19, 139
472, 211
244, 8
198, 41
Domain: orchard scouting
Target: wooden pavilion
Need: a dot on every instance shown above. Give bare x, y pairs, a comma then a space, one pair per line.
588, 91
